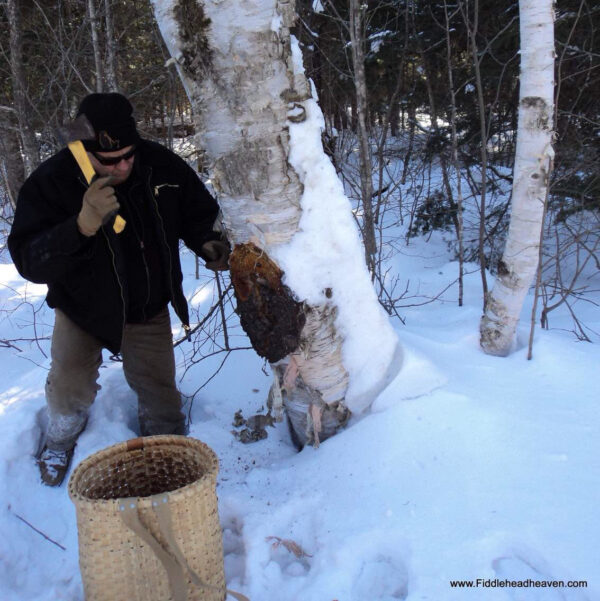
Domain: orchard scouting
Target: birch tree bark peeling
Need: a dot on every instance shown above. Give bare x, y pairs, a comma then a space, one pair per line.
279, 195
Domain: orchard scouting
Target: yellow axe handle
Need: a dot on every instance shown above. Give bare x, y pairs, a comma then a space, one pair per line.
78, 151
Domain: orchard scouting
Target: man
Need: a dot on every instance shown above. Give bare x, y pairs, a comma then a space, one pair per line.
111, 290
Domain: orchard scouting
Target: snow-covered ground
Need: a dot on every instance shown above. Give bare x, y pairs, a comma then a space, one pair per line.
467, 466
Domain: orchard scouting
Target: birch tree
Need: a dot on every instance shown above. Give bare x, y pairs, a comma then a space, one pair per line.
303, 291
533, 163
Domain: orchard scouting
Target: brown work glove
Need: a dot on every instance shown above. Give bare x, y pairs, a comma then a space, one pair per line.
217, 253
99, 202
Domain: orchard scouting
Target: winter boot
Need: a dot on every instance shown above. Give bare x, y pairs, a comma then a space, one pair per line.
54, 465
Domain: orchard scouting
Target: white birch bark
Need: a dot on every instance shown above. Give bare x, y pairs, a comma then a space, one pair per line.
235, 60
533, 163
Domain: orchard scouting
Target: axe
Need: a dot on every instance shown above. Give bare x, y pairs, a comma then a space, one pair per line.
72, 134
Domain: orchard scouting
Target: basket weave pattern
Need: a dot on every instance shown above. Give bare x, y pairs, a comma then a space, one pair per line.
115, 563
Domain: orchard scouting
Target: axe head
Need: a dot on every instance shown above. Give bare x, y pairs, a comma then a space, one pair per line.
79, 129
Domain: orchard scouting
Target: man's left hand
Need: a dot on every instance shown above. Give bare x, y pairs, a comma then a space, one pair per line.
217, 255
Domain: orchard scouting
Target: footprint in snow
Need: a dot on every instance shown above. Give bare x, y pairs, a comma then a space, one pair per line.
381, 578
521, 569
116, 403
234, 551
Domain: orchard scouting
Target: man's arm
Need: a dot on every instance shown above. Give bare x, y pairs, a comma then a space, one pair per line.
200, 213
44, 243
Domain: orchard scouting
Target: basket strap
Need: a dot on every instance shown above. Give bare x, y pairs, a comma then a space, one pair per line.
177, 582
163, 513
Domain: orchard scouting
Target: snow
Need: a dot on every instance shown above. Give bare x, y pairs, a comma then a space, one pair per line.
466, 467
376, 40
163, 13
329, 241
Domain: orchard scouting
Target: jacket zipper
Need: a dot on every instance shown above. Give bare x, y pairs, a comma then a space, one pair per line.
143, 249
186, 326
114, 263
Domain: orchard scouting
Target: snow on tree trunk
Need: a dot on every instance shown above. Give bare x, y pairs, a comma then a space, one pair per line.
532, 168
303, 290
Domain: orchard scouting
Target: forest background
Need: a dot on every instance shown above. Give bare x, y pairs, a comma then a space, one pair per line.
441, 83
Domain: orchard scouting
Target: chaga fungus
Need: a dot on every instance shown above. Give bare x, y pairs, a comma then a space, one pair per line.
269, 314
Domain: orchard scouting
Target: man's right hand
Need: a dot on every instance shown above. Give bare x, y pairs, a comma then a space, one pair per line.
98, 203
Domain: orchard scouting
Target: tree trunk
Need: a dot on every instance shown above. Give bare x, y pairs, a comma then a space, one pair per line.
111, 50
412, 124
29, 145
11, 166
438, 136
260, 129
533, 163
459, 198
357, 40
473, 30
91, 9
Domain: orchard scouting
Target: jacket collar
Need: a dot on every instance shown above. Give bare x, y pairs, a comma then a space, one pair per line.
153, 154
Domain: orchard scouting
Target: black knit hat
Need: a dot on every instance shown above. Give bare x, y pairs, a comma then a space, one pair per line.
111, 118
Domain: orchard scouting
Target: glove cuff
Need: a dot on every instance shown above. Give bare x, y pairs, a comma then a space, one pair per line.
85, 231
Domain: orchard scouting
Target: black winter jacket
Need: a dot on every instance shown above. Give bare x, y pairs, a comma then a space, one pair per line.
86, 276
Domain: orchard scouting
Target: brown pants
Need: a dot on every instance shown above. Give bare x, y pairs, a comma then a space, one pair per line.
149, 366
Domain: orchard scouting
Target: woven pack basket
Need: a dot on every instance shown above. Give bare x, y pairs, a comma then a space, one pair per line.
148, 523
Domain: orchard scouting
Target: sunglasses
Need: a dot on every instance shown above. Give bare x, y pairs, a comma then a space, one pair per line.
115, 160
